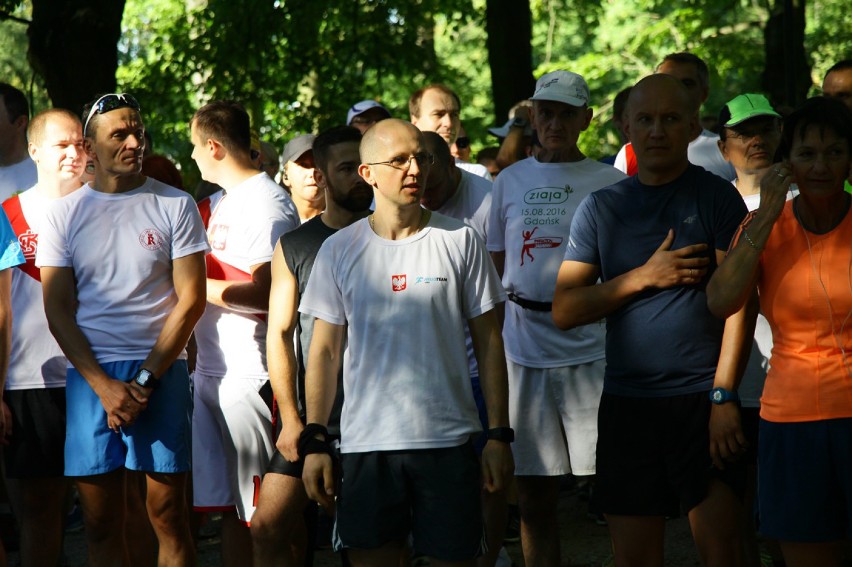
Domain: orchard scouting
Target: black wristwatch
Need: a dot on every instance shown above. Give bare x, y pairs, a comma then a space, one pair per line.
502, 434
146, 379
722, 396
519, 123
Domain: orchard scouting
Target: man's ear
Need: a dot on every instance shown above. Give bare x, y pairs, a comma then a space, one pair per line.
215, 148
90, 149
32, 149
722, 149
588, 119
319, 178
366, 173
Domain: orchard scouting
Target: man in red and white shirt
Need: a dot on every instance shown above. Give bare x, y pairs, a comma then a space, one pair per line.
35, 383
232, 419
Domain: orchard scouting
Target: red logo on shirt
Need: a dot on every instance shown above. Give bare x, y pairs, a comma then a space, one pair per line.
29, 243
151, 239
398, 282
218, 236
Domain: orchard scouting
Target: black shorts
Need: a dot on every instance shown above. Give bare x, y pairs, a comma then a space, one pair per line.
653, 455
434, 494
37, 446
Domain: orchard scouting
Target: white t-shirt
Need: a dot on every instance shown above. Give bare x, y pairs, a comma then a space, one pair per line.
471, 204
17, 177
475, 168
405, 375
531, 211
243, 230
35, 360
121, 247
703, 151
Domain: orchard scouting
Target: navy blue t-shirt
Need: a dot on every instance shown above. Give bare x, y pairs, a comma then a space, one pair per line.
664, 342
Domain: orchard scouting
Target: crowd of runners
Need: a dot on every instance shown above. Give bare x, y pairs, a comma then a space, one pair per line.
424, 346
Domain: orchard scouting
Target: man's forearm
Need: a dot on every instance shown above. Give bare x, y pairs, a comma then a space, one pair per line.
248, 297
491, 360
74, 344
174, 336
576, 306
323, 366
188, 277
281, 360
737, 341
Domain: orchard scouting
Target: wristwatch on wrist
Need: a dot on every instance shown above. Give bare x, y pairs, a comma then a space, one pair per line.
146, 379
519, 123
502, 434
722, 396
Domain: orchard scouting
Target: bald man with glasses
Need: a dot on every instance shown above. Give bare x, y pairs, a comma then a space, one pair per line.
398, 286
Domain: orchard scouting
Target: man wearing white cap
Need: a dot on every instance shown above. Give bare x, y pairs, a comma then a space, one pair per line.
555, 377
364, 115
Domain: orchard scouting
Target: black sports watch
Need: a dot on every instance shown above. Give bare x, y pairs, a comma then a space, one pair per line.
722, 396
502, 434
146, 379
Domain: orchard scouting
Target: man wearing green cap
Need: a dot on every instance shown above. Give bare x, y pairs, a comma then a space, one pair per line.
749, 136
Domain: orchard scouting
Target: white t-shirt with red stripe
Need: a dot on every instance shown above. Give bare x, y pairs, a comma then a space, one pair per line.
243, 229
35, 361
121, 247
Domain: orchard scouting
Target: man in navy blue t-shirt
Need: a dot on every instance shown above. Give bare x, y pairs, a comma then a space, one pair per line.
653, 241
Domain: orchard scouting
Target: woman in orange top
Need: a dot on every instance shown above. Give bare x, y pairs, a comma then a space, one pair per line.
798, 256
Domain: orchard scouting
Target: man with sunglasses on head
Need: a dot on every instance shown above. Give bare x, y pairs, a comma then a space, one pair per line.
232, 418
122, 267
398, 287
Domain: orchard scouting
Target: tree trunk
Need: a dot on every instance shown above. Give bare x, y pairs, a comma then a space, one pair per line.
509, 27
786, 76
73, 46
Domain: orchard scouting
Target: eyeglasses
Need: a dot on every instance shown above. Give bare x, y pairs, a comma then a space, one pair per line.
108, 103
463, 142
746, 133
404, 163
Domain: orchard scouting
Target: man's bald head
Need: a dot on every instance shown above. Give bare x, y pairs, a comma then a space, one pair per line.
437, 146
662, 120
375, 143
36, 127
653, 85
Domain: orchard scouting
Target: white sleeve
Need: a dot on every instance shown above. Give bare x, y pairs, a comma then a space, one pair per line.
52, 245
188, 234
621, 159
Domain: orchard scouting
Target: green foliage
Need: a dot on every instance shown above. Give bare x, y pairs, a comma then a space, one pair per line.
14, 67
298, 65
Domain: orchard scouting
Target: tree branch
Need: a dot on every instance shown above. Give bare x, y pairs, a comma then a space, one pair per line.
7, 16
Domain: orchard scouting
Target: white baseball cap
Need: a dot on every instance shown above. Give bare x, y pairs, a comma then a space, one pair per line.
562, 86
361, 107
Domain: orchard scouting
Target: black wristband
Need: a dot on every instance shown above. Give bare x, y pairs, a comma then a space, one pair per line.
308, 442
502, 434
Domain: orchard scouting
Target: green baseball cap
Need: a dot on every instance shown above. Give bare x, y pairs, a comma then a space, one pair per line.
748, 106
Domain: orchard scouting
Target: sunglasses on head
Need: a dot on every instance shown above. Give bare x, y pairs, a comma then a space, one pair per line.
108, 103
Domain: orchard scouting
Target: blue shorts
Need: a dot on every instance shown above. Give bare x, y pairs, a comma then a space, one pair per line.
805, 480
158, 441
